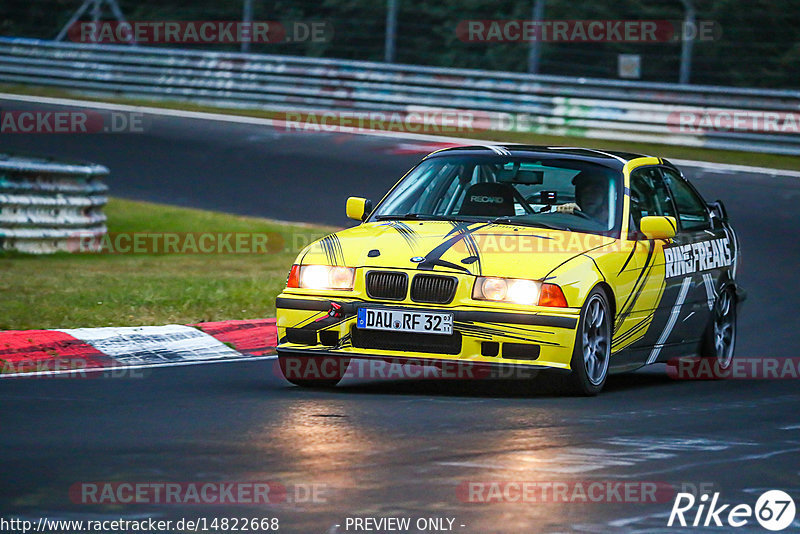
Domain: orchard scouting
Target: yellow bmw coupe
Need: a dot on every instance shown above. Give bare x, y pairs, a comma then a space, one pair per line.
570, 260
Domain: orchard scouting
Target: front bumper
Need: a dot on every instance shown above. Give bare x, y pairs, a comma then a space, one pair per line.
316, 325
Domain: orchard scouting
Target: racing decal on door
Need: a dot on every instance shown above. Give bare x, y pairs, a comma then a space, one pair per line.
673, 318
682, 260
711, 293
645, 295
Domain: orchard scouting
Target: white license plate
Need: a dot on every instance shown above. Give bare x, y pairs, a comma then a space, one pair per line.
405, 321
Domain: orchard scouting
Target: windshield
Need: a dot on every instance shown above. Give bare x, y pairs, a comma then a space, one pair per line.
555, 193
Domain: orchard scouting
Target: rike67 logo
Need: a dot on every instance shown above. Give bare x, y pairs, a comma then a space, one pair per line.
774, 510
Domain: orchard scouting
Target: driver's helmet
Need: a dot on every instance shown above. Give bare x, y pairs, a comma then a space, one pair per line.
591, 194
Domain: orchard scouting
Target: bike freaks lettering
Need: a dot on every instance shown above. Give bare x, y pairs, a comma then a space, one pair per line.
697, 257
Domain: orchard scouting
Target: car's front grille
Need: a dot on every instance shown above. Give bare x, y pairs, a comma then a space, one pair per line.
406, 341
387, 285
433, 289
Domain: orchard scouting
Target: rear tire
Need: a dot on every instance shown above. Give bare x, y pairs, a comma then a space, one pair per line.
719, 342
592, 352
313, 371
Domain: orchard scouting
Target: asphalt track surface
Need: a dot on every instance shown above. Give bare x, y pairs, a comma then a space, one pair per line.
397, 448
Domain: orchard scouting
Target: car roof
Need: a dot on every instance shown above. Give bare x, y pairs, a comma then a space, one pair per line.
607, 158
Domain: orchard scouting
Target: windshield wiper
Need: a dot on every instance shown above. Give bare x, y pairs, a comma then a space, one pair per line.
511, 220
417, 216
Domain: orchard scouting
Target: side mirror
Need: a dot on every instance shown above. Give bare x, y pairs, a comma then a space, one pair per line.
358, 208
658, 227
718, 210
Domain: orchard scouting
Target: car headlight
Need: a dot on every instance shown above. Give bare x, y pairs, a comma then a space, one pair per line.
321, 277
518, 291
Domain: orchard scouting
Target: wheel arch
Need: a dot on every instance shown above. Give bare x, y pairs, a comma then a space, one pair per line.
609, 292
727, 282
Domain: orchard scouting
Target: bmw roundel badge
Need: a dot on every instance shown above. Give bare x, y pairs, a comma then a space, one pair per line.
417, 259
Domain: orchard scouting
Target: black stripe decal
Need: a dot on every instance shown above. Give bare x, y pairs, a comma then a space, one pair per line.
337, 250
496, 332
311, 351
405, 231
349, 308
502, 333
333, 249
516, 318
596, 266
459, 232
630, 257
633, 331
557, 267
302, 304
634, 295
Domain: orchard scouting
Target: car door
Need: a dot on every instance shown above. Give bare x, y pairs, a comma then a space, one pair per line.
698, 256
641, 312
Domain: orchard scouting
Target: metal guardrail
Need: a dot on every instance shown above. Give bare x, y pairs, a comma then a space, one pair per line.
549, 105
47, 206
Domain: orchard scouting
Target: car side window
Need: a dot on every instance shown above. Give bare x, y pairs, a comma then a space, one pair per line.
649, 196
692, 212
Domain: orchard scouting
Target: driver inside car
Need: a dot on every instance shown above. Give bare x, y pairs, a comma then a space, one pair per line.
591, 197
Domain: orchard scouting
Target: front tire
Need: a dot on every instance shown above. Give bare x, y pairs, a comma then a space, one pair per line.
592, 352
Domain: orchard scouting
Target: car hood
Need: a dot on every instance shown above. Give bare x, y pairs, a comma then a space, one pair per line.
471, 248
